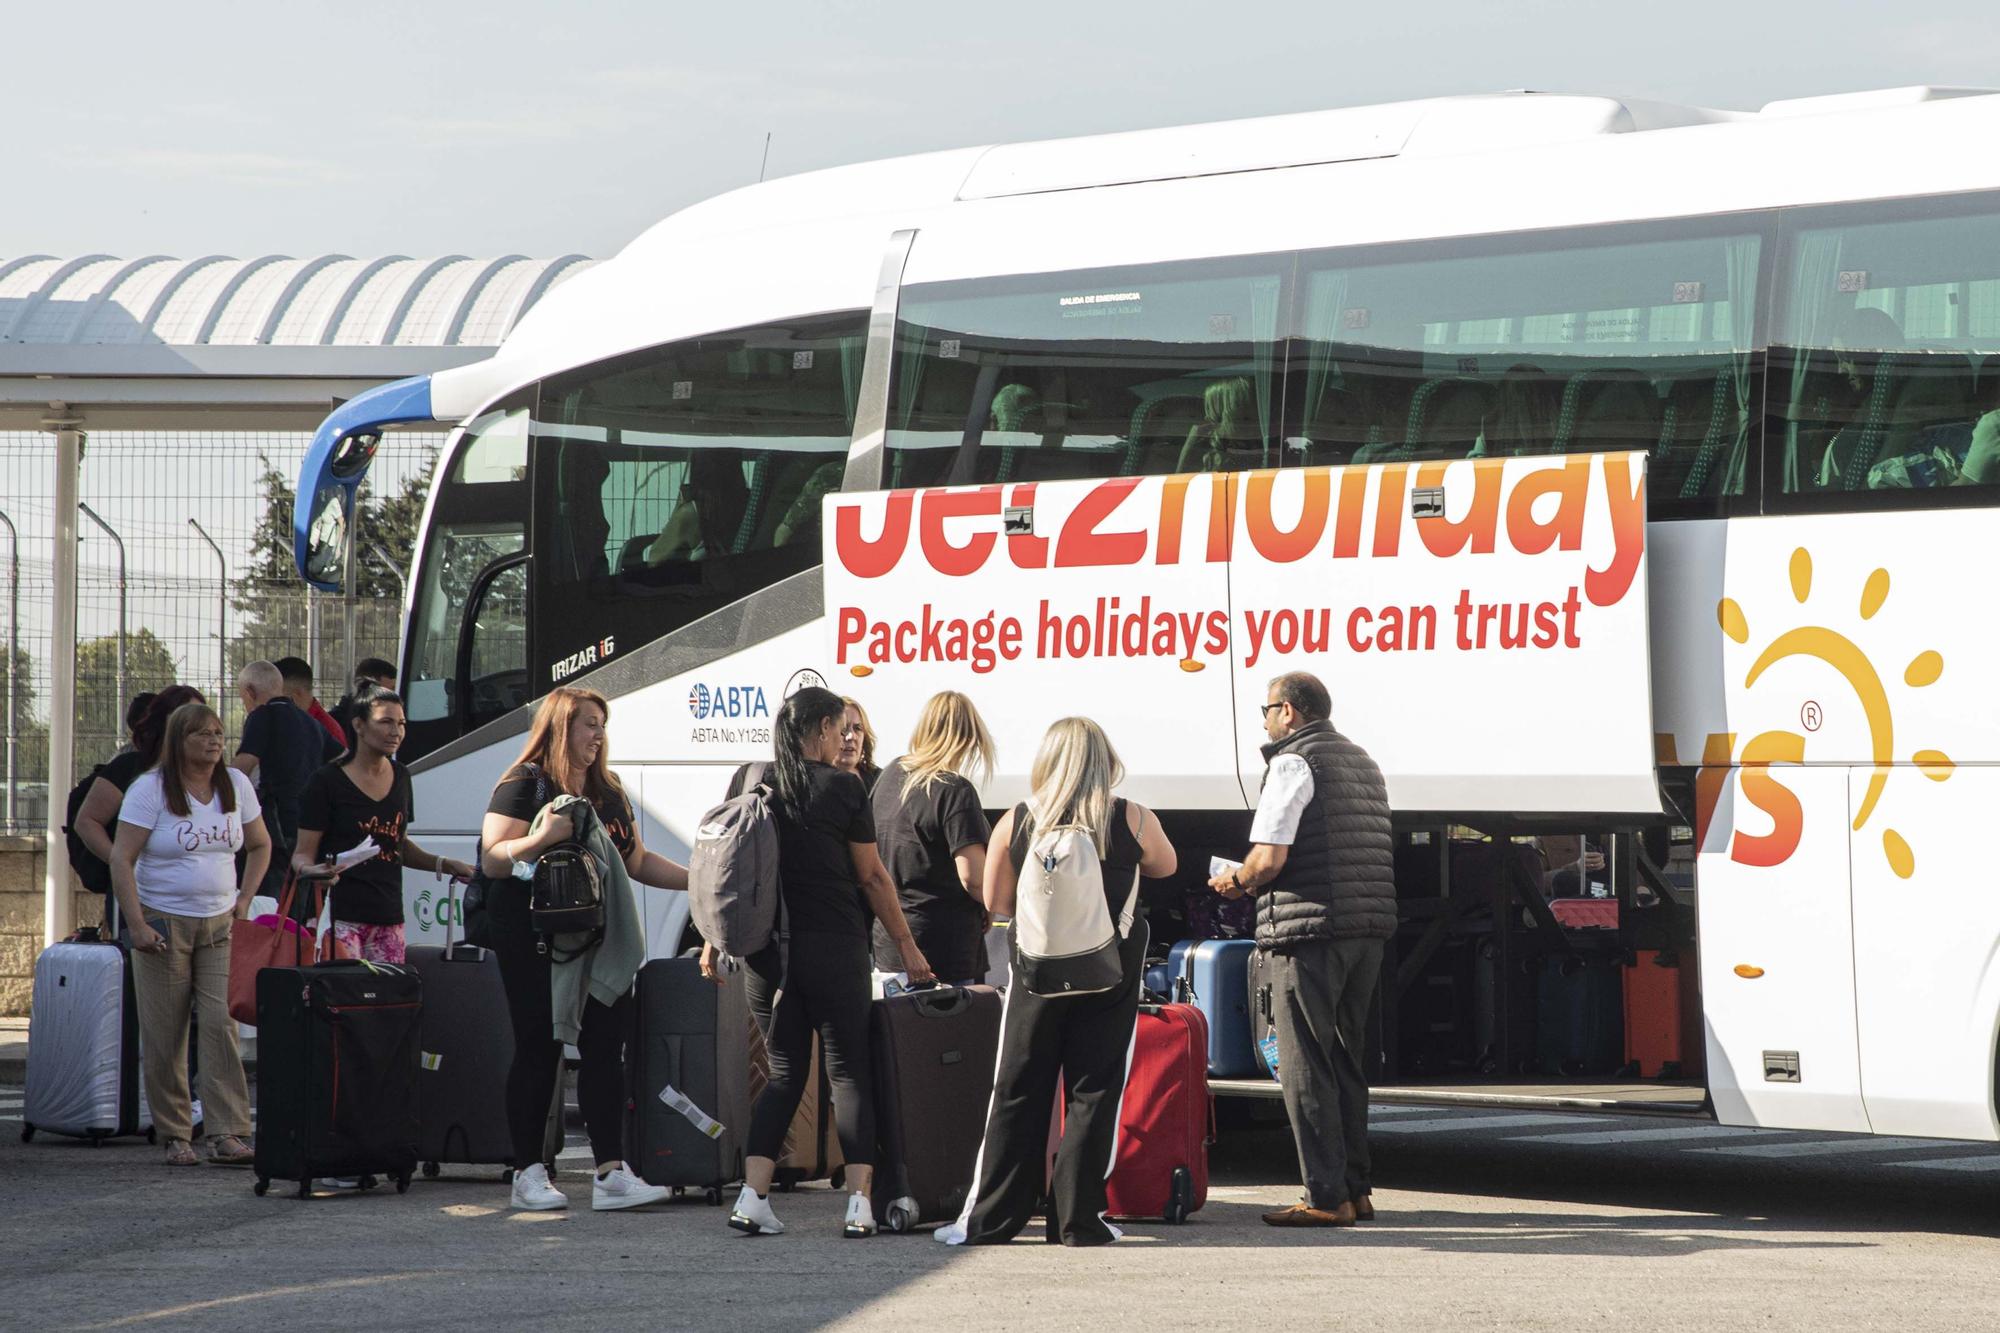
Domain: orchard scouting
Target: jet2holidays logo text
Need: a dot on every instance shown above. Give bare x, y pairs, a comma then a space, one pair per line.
733, 714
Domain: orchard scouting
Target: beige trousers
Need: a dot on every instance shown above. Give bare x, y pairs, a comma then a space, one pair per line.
191, 976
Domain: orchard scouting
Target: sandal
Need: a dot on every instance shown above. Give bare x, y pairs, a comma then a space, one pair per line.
229, 1151
181, 1153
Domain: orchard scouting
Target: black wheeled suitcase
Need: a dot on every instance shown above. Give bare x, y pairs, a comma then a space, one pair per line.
468, 1047
83, 1044
1580, 1014
933, 1053
337, 1062
689, 1070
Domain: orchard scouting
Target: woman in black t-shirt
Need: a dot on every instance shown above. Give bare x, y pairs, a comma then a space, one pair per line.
365, 795
933, 834
831, 878
566, 754
1081, 1040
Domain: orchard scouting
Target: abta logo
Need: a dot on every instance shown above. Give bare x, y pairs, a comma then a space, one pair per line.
698, 701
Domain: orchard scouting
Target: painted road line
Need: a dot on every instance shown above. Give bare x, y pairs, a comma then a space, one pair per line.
1687, 1133
1481, 1123
1986, 1163
1840, 1147
1376, 1109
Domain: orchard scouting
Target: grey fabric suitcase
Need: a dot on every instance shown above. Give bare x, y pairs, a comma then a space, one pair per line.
83, 1044
691, 1036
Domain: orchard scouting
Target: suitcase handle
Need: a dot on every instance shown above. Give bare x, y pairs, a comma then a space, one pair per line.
938, 1001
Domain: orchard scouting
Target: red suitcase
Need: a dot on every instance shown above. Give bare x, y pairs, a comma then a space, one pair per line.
1166, 1121
1663, 1036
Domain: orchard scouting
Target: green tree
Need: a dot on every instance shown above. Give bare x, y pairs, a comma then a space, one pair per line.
268, 598
28, 731
100, 710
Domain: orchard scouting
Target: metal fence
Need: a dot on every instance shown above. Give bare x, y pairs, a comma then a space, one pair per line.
184, 574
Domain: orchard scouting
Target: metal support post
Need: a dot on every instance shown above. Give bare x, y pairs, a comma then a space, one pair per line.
117, 704
13, 664
221, 620
58, 905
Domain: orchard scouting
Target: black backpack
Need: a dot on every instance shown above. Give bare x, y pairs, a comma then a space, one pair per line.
568, 895
92, 873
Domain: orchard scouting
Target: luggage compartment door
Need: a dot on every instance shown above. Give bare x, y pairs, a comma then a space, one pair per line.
1106, 597
1482, 625
1777, 950
1927, 949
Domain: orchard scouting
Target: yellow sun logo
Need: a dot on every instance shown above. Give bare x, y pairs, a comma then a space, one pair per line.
1846, 657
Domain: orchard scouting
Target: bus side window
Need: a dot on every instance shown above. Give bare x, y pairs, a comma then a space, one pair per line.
1890, 311
1121, 372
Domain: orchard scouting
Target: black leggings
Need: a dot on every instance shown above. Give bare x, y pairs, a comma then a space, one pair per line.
828, 991
531, 1079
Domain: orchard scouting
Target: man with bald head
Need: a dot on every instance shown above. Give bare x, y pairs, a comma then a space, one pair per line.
282, 747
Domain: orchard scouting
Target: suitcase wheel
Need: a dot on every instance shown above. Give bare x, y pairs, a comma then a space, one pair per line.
838, 1178
27, 1133
369, 1182
431, 1170
152, 1134
261, 1188
898, 1218
1180, 1196
305, 1188
403, 1183
713, 1195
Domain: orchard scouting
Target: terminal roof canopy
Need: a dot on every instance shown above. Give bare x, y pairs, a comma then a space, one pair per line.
270, 343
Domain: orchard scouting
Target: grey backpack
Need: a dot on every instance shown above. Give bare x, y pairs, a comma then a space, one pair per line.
733, 874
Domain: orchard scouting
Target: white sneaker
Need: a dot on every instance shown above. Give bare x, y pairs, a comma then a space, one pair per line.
338, 1183
753, 1216
619, 1188
534, 1193
860, 1222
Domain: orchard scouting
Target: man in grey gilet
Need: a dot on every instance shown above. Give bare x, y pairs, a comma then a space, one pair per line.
1322, 869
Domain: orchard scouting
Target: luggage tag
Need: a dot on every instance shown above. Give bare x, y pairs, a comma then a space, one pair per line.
678, 1101
1267, 1046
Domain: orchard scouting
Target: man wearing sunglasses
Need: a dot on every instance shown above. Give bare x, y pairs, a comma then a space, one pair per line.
1322, 869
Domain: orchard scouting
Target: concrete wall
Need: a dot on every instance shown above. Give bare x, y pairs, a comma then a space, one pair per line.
22, 868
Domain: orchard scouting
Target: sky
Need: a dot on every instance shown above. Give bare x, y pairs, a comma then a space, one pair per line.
428, 127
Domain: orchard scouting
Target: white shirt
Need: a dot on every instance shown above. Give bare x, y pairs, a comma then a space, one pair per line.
1288, 785
188, 865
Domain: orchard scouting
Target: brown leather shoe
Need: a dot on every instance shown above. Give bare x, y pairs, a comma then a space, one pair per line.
1364, 1208
1305, 1215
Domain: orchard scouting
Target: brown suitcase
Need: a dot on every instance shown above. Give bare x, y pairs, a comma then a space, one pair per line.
812, 1144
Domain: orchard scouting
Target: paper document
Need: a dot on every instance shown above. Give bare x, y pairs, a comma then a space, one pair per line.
354, 856
700, 1119
1222, 865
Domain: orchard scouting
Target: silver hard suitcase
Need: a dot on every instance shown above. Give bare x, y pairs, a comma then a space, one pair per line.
83, 1044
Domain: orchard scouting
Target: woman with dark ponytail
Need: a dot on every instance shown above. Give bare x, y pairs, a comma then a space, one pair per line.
818, 979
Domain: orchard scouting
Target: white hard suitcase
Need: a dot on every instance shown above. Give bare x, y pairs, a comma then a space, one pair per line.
83, 1044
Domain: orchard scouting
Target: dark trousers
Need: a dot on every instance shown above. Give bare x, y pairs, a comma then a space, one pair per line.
531, 1079
823, 987
1085, 1041
1320, 993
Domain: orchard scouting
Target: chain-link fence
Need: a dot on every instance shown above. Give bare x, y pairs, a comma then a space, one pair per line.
155, 603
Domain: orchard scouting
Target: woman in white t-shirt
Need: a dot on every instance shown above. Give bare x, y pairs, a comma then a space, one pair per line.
173, 867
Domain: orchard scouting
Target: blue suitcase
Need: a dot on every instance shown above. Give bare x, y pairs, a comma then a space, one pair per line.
1214, 976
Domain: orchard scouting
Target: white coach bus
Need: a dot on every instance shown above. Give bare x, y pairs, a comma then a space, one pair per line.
1626, 470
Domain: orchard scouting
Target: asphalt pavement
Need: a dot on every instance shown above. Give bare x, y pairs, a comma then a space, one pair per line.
1488, 1219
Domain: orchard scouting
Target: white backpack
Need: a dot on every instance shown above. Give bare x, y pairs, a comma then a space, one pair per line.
1065, 942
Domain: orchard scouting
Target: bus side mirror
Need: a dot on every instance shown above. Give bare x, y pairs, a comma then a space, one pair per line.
326, 539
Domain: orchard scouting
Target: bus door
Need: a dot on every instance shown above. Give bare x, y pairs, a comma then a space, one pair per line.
1481, 625
1105, 597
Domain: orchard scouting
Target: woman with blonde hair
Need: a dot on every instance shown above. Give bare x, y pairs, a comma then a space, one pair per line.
933, 834
857, 744
566, 755
173, 869
1084, 1039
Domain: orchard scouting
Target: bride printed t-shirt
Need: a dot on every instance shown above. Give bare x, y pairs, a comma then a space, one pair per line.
188, 865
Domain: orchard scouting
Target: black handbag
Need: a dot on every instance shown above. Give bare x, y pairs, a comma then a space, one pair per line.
568, 893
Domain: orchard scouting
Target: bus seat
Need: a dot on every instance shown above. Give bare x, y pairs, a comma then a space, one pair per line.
1706, 423
1159, 428
1447, 417
1605, 410
1525, 409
